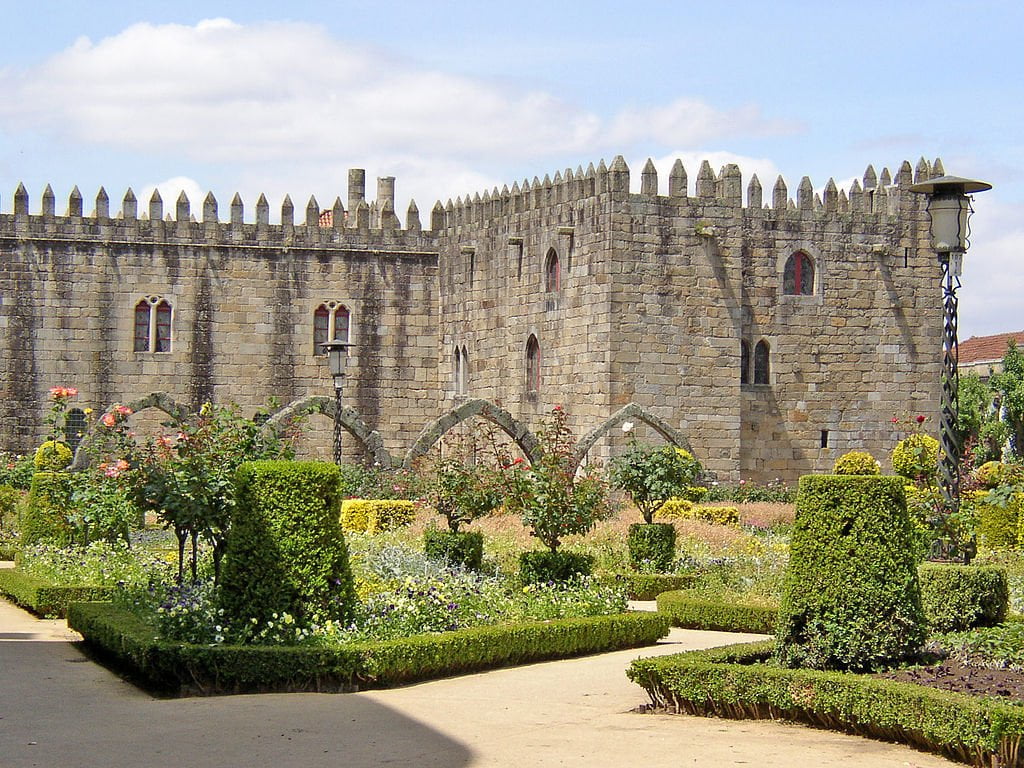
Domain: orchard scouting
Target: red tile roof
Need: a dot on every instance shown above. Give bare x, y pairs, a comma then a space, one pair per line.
987, 349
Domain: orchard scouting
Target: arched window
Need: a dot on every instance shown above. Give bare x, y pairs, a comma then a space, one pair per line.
341, 318
75, 425
142, 310
152, 325
331, 321
744, 362
464, 379
163, 327
532, 366
761, 369
457, 370
798, 278
552, 272
321, 327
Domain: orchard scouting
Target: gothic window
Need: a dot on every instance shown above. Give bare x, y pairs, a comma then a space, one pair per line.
75, 425
552, 272
152, 325
330, 321
798, 278
162, 338
532, 366
464, 379
761, 369
457, 369
142, 326
744, 362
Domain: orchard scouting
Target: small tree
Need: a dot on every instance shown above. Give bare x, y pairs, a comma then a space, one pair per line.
652, 475
1009, 386
551, 497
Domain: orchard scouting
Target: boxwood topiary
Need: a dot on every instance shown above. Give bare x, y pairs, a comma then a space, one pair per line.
542, 566
652, 546
459, 548
286, 552
857, 463
44, 517
960, 597
851, 599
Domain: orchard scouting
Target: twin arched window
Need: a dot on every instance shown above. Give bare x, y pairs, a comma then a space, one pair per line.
761, 364
153, 325
331, 322
798, 277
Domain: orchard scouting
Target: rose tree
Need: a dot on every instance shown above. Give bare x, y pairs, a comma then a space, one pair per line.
651, 475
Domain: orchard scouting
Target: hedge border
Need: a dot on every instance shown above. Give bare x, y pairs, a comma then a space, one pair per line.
732, 682
691, 611
646, 586
122, 639
44, 598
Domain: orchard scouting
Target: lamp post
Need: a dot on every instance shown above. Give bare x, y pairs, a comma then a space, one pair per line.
337, 359
949, 207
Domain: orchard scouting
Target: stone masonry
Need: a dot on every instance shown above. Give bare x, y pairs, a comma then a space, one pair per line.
620, 299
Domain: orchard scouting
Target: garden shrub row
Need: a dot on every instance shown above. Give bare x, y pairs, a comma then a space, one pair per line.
376, 515
735, 682
691, 610
43, 597
121, 637
683, 509
647, 586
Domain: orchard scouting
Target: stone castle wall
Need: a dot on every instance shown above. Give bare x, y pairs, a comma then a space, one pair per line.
656, 292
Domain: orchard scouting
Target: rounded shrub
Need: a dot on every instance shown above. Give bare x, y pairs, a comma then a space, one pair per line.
463, 549
998, 519
652, 546
857, 463
961, 597
916, 457
52, 456
285, 551
851, 599
544, 566
989, 474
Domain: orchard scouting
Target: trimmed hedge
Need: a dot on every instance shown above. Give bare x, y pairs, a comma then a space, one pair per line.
651, 545
960, 597
999, 526
736, 682
44, 598
44, 515
543, 565
647, 586
286, 552
692, 611
851, 598
121, 637
376, 515
463, 549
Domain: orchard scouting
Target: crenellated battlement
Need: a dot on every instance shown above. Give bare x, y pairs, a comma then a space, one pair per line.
882, 194
364, 225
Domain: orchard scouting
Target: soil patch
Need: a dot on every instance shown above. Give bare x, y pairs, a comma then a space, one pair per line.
952, 675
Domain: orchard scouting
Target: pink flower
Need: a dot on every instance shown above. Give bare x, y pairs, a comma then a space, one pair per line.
123, 410
108, 420
62, 393
895, 420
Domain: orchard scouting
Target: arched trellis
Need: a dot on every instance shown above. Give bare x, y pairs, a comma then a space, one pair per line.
627, 412
485, 409
353, 423
159, 400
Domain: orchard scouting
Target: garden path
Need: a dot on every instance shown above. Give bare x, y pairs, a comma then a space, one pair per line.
59, 710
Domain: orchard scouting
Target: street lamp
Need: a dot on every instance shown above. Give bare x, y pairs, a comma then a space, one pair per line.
337, 359
949, 208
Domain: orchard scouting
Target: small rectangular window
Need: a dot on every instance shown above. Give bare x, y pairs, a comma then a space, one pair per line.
824, 438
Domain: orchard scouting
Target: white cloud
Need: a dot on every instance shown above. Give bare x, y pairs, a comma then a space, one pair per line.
286, 101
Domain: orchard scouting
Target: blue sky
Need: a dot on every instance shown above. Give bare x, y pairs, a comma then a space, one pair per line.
459, 97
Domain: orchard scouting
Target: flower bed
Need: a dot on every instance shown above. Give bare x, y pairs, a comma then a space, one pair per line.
120, 637
737, 682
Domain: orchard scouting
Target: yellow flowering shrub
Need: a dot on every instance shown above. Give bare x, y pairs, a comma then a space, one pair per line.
376, 515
